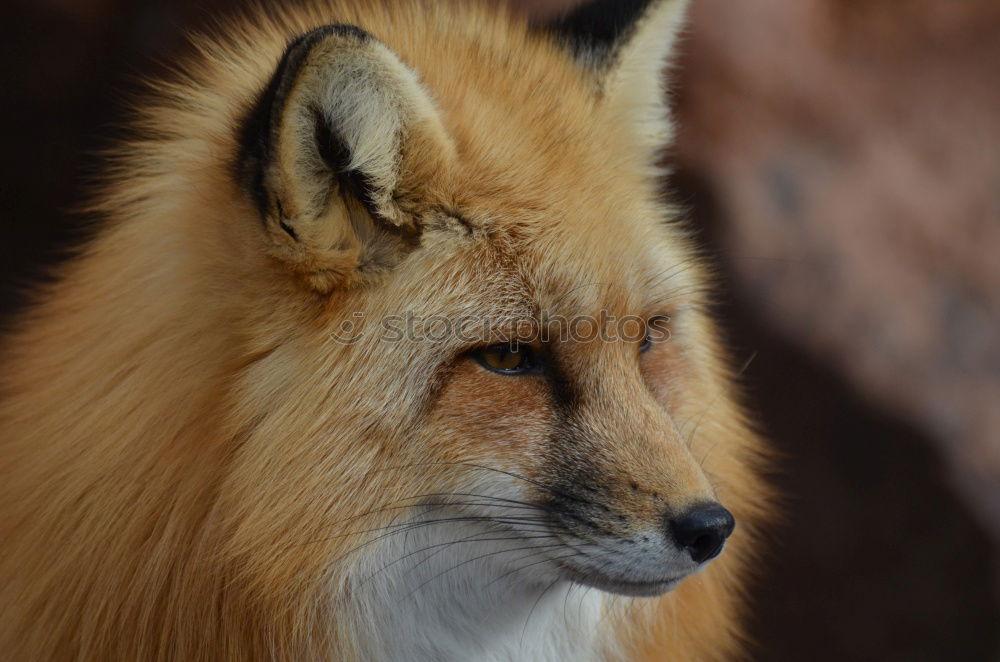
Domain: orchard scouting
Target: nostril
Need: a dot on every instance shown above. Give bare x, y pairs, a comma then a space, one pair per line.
703, 530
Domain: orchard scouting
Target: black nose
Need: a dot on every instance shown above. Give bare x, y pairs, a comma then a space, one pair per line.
703, 530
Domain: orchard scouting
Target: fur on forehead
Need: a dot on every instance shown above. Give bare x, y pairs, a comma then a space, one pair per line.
541, 263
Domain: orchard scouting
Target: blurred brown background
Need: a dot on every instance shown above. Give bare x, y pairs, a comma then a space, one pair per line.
841, 158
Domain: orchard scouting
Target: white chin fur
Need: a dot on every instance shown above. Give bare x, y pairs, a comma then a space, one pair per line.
460, 591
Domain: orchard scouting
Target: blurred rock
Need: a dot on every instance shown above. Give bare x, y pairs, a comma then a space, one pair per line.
852, 151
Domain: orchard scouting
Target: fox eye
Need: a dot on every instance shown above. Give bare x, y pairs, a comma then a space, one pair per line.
507, 359
646, 343
656, 330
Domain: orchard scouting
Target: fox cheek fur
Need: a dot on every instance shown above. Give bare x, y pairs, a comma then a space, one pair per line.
198, 467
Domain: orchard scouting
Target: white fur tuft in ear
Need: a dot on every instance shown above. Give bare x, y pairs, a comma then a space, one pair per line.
371, 101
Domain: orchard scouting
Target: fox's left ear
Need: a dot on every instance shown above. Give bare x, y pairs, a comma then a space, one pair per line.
626, 44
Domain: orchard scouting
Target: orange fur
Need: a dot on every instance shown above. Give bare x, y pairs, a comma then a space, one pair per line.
181, 442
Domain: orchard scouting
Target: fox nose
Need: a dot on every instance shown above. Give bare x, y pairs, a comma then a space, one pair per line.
703, 530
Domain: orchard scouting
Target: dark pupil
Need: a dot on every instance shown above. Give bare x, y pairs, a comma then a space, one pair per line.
507, 357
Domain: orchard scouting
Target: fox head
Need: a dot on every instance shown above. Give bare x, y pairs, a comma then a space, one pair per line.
432, 212
452, 341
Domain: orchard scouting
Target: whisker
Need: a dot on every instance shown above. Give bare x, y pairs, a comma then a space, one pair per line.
421, 522
475, 538
376, 511
704, 412
532, 610
479, 558
482, 467
529, 565
547, 488
409, 526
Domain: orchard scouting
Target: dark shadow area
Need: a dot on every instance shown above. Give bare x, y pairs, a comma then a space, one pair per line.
69, 72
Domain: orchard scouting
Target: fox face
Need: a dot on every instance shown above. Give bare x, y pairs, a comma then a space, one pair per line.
512, 367
426, 370
572, 423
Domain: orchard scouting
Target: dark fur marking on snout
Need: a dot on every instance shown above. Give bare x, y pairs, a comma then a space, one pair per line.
579, 482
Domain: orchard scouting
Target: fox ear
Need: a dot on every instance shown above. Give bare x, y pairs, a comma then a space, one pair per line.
626, 44
330, 151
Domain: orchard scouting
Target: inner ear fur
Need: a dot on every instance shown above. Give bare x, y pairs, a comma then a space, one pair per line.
333, 150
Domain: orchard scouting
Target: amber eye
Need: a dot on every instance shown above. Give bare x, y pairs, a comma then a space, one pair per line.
508, 358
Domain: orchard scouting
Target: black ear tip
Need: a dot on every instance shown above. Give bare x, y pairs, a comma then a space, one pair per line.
257, 130
597, 25
305, 41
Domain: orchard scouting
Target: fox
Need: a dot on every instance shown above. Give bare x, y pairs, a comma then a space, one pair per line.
212, 449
